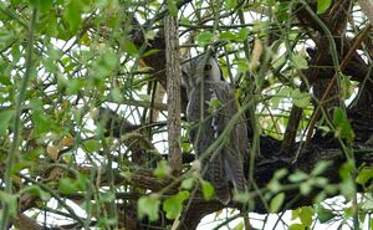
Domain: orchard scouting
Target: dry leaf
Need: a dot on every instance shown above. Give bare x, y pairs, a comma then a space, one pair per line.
52, 152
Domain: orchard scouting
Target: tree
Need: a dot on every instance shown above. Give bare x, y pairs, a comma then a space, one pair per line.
82, 114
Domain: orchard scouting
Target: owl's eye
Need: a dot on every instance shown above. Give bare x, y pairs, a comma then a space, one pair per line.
208, 67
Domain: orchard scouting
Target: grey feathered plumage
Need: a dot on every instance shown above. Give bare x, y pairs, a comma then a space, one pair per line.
224, 167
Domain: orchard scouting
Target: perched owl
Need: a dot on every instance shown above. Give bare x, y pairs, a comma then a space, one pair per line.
211, 106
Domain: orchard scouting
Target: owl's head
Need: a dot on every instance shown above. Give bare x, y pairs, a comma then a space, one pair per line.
201, 68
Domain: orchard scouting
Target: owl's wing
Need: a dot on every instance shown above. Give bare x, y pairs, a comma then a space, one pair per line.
235, 148
225, 165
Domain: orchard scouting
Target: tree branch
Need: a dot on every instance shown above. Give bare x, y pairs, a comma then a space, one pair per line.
173, 71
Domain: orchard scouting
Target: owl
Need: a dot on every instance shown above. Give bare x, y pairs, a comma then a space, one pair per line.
211, 106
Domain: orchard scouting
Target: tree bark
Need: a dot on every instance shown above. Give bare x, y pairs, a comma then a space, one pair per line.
173, 72
367, 8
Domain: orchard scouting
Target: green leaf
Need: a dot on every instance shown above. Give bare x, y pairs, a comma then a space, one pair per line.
11, 201
186, 147
130, 48
282, 11
243, 65
364, 175
343, 126
207, 190
305, 215
163, 169
187, 183
241, 197
276, 202
305, 188
174, 204
346, 86
148, 206
347, 188
116, 94
239, 226
214, 104
42, 122
72, 15
92, 146
5, 118
230, 4
299, 61
74, 86
320, 168
243, 34
301, 99
172, 8
110, 59
274, 186
37, 191
348, 212
323, 5
298, 176
346, 169
67, 186
324, 214
347, 185
204, 38
320, 181
281, 173
151, 52
42, 5
297, 227
227, 36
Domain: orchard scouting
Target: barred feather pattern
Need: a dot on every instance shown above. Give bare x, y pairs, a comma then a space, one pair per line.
224, 168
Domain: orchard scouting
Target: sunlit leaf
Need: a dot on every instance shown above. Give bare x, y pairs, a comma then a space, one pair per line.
67, 186
174, 204
42, 5
5, 118
188, 183
207, 190
320, 167
163, 169
305, 215
298, 176
299, 62
301, 99
130, 48
343, 127
297, 227
92, 145
230, 4
204, 38
243, 33
323, 214
172, 8
276, 202
11, 202
148, 206
323, 5
227, 35
37, 191
365, 175
72, 14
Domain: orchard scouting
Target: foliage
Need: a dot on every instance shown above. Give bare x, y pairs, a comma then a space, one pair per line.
63, 60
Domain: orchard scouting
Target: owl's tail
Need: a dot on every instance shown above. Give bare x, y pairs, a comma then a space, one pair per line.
234, 173
216, 176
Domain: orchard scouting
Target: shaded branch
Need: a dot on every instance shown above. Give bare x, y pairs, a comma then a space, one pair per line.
173, 71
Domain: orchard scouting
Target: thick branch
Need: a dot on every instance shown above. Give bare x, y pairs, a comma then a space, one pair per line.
173, 71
